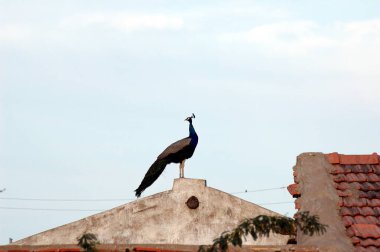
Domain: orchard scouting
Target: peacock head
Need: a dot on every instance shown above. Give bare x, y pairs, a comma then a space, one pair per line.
190, 119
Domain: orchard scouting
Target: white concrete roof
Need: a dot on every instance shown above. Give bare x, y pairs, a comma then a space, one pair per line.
163, 218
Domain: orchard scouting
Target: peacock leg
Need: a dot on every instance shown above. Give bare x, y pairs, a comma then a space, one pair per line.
181, 169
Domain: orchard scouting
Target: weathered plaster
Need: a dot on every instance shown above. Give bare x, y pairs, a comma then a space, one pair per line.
163, 218
319, 197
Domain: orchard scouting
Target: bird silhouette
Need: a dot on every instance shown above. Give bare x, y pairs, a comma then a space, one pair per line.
177, 152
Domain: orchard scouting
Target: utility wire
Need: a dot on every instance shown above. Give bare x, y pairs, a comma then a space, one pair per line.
57, 200
120, 199
52, 209
260, 190
100, 210
104, 200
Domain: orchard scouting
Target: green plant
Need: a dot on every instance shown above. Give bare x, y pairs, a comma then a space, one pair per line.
88, 242
263, 225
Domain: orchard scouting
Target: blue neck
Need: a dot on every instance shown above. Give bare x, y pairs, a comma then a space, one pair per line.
192, 132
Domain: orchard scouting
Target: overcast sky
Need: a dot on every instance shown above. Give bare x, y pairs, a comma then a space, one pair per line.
92, 91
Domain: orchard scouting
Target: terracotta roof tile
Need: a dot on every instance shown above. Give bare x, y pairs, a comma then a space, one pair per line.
338, 170
355, 240
377, 211
367, 211
369, 194
294, 191
339, 178
348, 193
370, 186
352, 202
362, 220
366, 249
373, 177
373, 202
370, 242
352, 177
359, 168
349, 211
357, 182
342, 186
376, 169
333, 158
365, 230
348, 220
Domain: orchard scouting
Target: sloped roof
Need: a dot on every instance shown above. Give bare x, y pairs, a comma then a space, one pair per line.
191, 213
356, 179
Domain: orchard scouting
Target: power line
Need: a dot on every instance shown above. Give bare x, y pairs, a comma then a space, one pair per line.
100, 210
120, 199
260, 190
53, 209
275, 203
73, 200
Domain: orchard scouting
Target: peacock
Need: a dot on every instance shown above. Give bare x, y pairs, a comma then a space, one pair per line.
177, 152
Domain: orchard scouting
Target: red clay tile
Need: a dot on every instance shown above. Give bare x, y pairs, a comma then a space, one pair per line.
359, 168
142, 249
346, 193
366, 230
373, 220
376, 169
359, 177
352, 202
373, 202
372, 177
367, 186
356, 185
339, 178
349, 211
359, 248
342, 186
355, 240
348, 221
369, 195
366, 249
359, 159
376, 211
361, 220
340, 202
370, 242
366, 211
357, 180
377, 186
338, 170
333, 158
293, 190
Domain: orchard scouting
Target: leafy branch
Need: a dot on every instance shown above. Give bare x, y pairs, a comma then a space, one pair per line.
263, 225
88, 242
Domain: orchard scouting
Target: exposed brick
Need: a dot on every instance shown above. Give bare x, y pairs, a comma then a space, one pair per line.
293, 190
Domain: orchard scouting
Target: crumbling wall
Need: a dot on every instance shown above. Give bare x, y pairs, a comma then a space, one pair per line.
319, 197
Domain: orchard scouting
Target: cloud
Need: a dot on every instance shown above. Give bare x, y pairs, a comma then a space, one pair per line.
295, 37
14, 32
124, 22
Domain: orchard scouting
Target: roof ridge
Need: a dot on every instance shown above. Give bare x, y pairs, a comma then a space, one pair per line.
336, 158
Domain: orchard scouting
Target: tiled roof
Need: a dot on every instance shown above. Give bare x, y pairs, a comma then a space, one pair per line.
357, 182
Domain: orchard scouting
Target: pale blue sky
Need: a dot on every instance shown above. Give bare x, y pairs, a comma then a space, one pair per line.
92, 91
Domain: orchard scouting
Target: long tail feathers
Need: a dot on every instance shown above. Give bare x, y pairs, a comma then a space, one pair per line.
151, 175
